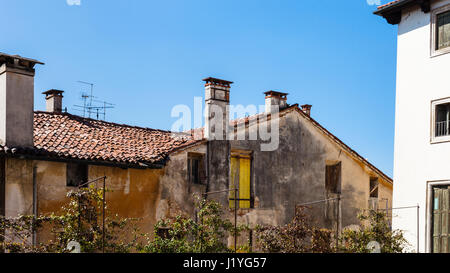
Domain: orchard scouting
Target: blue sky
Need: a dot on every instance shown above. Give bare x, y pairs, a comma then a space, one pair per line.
148, 56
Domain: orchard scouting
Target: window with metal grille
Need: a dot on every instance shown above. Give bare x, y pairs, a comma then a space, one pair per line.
442, 122
240, 179
443, 30
77, 174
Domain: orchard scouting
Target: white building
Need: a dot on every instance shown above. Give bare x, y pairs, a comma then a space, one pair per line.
422, 122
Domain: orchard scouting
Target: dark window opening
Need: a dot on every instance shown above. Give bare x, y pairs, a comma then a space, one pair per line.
373, 187
196, 170
77, 174
333, 178
442, 119
443, 30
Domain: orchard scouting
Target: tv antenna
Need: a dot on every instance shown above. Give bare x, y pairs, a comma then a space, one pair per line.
91, 105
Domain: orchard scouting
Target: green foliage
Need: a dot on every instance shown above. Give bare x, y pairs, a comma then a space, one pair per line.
184, 235
374, 227
81, 220
299, 236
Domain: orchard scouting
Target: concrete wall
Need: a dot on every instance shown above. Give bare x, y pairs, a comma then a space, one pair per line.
420, 79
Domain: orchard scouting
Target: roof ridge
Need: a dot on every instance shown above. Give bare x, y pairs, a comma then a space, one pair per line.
104, 121
336, 139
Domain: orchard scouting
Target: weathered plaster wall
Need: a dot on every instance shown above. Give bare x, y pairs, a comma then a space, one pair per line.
176, 193
18, 187
134, 191
299, 176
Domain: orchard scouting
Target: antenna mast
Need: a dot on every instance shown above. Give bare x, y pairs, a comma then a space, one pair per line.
91, 105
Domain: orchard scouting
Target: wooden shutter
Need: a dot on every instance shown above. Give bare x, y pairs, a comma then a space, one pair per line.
441, 211
244, 183
240, 178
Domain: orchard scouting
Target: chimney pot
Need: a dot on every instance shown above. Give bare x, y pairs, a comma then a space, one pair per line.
275, 98
307, 109
53, 99
16, 100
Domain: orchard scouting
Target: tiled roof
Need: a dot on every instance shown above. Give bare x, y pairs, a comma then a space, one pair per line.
389, 4
73, 137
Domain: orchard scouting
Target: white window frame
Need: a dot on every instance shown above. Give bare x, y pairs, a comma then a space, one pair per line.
437, 52
434, 138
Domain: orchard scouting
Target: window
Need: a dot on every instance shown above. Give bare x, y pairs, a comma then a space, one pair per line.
440, 31
77, 174
240, 179
333, 178
373, 193
440, 120
443, 30
196, 170
373, 188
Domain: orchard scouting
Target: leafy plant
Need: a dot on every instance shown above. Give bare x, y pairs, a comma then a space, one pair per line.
374, 227
182, 234
81, 220
298, 236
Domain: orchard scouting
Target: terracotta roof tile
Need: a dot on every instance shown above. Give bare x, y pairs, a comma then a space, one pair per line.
75, 137
389, 4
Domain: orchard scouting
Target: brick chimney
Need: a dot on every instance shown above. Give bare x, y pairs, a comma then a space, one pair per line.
307, 109
53, 99
16, 100
275, 98
217, 101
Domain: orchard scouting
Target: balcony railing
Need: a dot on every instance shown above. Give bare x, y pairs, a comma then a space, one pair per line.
442, 128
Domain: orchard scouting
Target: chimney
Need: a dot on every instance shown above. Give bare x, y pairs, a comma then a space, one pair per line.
16, 100
307, 109
53, 99
217, 101
275, 98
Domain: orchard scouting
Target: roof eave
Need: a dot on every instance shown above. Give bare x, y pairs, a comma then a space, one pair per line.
392, 13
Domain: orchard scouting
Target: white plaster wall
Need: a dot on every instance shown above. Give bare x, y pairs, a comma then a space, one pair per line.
420, 79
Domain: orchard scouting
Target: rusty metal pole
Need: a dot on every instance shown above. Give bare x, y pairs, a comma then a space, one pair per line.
235, 219
103, 202
338, 220
201, 221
